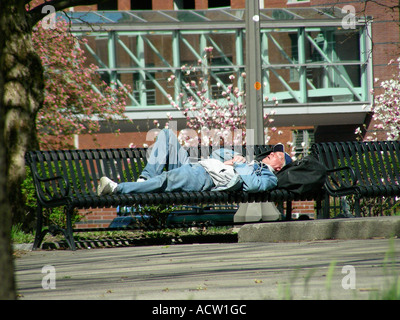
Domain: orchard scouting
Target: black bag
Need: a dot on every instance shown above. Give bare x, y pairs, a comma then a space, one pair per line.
306, 175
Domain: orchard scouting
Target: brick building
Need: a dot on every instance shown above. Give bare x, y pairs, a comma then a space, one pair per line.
320, 72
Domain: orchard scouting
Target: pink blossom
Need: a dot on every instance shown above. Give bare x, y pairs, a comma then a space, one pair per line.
68, 94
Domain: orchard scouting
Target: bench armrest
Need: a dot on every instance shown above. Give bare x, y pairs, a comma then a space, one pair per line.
341, 187
46, 195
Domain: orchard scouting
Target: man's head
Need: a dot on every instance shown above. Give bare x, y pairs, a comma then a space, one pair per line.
276, 158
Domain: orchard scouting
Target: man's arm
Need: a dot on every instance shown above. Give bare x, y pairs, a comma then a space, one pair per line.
255, 181
236, 159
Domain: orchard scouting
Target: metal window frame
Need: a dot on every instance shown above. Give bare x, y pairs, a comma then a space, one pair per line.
236, 26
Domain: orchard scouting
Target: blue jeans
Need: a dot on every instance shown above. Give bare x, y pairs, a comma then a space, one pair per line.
181, 174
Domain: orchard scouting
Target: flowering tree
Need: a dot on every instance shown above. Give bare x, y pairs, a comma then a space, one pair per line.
75, 97
386, 109
216, 114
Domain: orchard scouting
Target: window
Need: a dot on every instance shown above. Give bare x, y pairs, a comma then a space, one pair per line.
219, 3
108, 5
302, 140
184, 4
141, 5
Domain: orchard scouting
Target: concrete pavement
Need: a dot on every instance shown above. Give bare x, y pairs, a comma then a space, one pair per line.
319, 269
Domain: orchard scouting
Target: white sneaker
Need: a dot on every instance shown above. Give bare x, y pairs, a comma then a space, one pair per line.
106, 186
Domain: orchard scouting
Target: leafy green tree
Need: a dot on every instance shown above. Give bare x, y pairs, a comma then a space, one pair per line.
21, 98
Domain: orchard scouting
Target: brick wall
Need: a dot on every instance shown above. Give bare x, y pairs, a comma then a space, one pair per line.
304, 208
96, 218
102, 217
124, 4
201, 4
163, 4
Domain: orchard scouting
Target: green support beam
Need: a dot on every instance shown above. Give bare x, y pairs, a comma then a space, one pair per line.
334, 79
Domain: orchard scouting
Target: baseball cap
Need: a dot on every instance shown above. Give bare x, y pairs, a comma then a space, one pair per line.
276, 148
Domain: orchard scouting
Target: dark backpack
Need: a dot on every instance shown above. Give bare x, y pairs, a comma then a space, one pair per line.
305, 175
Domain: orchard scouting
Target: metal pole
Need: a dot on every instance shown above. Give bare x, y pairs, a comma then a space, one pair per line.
253, 212
254, 92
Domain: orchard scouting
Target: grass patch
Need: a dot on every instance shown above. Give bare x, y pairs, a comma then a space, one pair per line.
18, 236
165, 236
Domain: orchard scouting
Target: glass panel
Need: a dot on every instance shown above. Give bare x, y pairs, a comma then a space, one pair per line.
119, 16
331, 65
99, 46
237, 13
338, 45
144, 60
215, 15
308, 14
154, 16
281, 47
333, 83
347, 45
224, 48
126, 47
319, 40
317, 78
281, 14
189, 48
158, 50
221, 15
151, 50
333, 11
282, 83
86, 17
187, 16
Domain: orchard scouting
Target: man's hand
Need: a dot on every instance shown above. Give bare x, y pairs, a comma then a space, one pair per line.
237, 159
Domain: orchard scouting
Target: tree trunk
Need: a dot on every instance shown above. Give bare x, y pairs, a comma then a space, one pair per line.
21, 93
21, 96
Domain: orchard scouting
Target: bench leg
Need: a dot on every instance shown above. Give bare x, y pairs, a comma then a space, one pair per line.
39, 235
357, 206
68, 233
288, 210
318, 209
326, 208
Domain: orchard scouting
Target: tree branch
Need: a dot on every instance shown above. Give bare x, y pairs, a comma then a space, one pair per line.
36, 13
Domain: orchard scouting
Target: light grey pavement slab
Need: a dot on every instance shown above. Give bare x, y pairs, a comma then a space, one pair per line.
325, 269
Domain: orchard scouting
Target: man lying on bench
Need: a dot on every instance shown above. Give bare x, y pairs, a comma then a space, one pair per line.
224, 170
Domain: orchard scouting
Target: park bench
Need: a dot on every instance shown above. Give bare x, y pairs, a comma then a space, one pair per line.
360, 169
69, 179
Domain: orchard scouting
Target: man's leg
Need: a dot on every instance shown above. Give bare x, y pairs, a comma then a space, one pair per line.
185, 178
166, 151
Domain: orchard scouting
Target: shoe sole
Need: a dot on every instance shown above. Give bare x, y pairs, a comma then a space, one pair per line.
102, 188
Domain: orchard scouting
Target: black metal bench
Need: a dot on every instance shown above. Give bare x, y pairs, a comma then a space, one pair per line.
362, 169
69, 179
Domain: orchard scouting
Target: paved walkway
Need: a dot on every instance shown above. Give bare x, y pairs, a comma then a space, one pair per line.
326, 269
